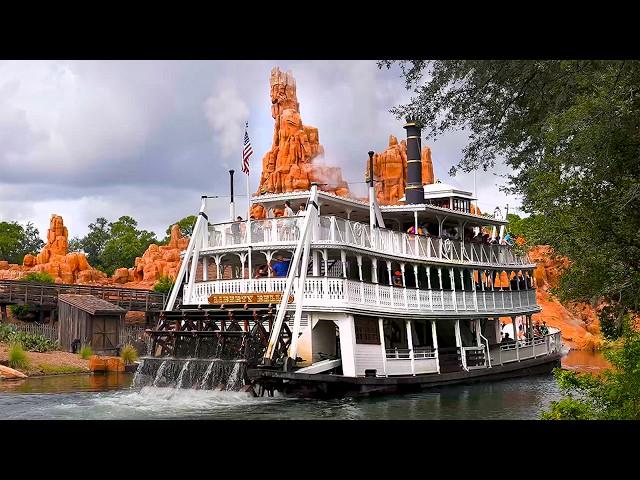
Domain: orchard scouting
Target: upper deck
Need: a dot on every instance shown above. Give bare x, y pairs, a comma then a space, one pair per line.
341, 225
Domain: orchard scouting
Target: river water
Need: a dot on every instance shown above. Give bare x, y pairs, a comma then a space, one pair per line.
112, 397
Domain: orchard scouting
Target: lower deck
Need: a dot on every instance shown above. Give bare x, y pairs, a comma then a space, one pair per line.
326, 385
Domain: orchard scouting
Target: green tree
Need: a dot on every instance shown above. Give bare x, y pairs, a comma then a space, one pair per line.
12, 238
32, 242
125, 243
612, 395
75, 245
186, 227
16, 241
570, 133
93, 243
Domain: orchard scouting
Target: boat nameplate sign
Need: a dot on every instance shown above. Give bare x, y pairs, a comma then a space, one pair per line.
244, 298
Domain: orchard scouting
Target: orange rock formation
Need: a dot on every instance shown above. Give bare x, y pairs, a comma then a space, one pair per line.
73, 267
577, 320
157, 261
390, 171
296, 156
62, 266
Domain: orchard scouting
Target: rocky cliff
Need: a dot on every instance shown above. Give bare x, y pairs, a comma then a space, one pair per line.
390, 171
577, 320
54, 259
296, 157
64, 267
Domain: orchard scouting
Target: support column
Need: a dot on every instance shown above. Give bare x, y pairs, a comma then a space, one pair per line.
473, 287
441, 289
374, 270
382, 345
410, 345
315, 259
515, 334
205, 268
3, 313
343, 260
459, 343
463, 291
346, 327
388, 262
415, 274
434, 338
453, 289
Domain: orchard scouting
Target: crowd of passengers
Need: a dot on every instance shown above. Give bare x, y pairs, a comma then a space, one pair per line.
473, 235
539, 330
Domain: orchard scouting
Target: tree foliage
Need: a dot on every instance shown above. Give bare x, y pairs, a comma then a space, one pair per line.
163, 285
125, 243
16, 241
570, 133
186, 226
612, 395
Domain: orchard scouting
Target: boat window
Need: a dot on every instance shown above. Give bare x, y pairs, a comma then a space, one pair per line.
367, 331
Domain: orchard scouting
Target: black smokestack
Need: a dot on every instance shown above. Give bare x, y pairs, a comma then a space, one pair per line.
414, 192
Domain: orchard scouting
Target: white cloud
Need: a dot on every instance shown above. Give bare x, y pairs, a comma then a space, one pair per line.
227, 113
147, 138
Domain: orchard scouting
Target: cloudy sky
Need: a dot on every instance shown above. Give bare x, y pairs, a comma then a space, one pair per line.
84, 139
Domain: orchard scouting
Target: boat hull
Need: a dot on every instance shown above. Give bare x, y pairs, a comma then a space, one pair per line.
335, 386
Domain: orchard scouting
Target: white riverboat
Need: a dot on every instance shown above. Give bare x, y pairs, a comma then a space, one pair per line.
371, 298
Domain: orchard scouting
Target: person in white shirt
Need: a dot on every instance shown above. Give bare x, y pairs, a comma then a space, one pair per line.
288, 211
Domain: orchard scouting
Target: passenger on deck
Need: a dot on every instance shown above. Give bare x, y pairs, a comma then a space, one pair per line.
262, 271
544, 329
235, 230
397, 278
288, 211
507, 339
280, 268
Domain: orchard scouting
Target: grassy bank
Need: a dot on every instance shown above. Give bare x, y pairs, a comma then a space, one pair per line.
47, 363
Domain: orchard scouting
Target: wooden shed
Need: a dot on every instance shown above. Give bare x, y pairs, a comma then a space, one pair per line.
91, 320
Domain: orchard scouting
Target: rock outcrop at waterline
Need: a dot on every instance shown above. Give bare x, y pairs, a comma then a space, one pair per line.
296, 157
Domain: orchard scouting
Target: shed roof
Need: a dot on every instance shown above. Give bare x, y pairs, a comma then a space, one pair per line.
90, 304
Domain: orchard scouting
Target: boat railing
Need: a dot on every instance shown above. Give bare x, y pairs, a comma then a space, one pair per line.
405, 353
332, 229
330, 292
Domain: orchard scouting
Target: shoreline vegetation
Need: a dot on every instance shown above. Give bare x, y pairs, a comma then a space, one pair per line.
55, 362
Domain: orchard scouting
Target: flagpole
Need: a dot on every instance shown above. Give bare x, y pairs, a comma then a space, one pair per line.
248, 214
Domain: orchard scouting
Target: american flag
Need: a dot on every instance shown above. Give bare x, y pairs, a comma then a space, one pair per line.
246, 153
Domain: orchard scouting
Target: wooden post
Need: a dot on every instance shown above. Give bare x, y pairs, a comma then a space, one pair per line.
3, 312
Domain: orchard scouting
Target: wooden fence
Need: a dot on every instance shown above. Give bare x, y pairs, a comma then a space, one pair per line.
12, 291
49, 331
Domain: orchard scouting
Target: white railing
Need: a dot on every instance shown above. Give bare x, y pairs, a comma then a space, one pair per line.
325, 292
528, 348
331, 229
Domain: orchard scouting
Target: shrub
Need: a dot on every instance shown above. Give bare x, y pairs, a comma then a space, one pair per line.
85, 352
163, 285
6, 331
128, 354
20, 312
17, 356
38, 277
